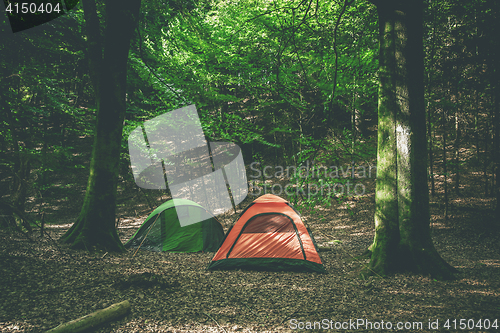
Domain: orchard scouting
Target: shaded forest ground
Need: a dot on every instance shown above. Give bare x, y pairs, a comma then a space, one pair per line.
43, 284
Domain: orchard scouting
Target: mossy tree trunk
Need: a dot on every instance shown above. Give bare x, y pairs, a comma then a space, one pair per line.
402, 231
95, 226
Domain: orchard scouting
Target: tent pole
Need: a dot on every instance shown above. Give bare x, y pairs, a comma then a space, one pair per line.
151, 227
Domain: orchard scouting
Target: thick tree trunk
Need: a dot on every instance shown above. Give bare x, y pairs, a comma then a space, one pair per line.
94, 43
402, 231
384, 247
95, 225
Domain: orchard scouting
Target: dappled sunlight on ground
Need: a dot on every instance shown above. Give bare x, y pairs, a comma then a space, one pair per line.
59, 226
173, 292
491, 262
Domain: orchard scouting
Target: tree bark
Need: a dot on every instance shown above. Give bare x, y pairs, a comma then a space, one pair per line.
431, 148
21, 145
95, 226
384, 247
445, 162
458, 137
486, 158
497, 153
94, 319
402, 224
94, 42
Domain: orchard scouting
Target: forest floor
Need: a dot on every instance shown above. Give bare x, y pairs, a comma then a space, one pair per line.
44, 284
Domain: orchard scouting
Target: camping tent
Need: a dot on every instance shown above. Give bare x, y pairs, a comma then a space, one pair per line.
269, 235
161, 231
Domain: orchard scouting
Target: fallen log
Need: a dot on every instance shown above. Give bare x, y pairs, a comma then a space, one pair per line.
94, 319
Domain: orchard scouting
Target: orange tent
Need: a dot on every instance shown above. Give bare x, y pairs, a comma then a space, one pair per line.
269, 235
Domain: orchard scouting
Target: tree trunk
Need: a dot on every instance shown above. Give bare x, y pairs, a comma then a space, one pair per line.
497, 152
21, 178
458, 137
477, 135
402, 230
21, 144
95, 225
94, 319
94, 43
431, 148
384, 247
445, 165
486, 159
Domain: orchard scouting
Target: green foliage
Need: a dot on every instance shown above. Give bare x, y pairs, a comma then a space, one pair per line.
44, 101
259, 73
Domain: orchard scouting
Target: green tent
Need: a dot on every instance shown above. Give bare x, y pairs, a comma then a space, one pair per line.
161, 231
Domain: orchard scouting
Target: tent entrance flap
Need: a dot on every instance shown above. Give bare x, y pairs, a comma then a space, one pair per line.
268, 235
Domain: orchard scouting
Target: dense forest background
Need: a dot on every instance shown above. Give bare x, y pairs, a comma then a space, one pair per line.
288, 82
